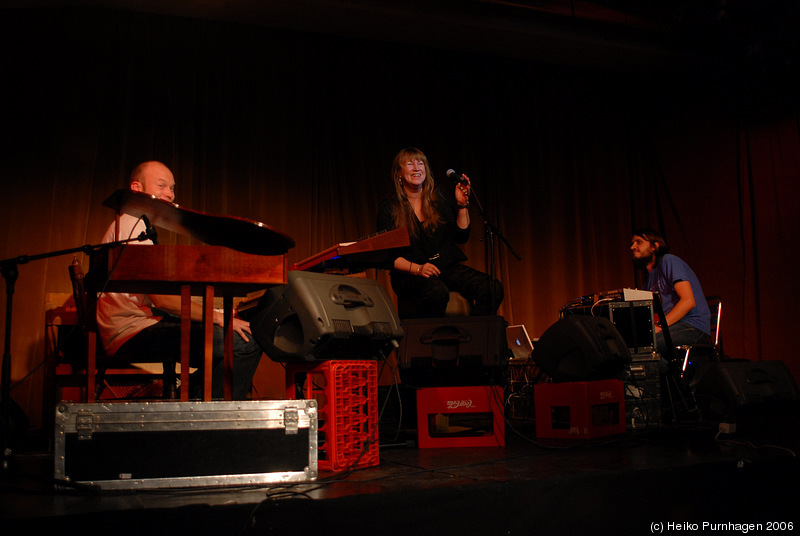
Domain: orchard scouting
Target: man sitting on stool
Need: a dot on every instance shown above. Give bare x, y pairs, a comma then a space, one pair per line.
685, 307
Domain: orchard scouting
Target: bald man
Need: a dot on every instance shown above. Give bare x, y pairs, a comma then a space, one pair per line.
149, 324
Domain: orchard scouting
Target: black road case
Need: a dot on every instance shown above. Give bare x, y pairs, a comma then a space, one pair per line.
148, 445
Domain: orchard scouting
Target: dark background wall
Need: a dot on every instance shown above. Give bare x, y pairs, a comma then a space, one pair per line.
572, 137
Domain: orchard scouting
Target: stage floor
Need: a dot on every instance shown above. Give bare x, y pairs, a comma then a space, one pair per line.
676, 476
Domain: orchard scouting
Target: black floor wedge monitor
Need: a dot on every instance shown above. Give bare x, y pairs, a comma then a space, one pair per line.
318, 317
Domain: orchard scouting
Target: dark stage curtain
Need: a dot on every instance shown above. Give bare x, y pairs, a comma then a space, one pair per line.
298, 131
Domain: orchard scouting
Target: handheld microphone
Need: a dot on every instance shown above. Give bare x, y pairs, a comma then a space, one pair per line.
456, 176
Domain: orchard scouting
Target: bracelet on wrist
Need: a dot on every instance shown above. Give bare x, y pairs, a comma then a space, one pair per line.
466, 205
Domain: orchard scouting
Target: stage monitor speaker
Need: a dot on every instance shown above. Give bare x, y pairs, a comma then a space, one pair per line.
633, 319
582, 348
453, 351
318, 317
731, 388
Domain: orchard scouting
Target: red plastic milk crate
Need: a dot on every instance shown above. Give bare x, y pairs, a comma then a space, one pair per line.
457, 405
347, 396
579, 410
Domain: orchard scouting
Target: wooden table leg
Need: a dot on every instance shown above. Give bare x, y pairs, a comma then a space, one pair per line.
208, 340
186, 335
228, 308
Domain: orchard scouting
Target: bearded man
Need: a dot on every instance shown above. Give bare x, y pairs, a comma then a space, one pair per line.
685, 307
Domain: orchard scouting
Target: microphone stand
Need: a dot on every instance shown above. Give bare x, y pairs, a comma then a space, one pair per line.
10, 271
490, 230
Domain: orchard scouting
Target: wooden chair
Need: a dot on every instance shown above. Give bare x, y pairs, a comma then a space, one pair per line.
101, 367
64, 375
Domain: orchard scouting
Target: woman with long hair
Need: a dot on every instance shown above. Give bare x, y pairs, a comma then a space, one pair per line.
425, 272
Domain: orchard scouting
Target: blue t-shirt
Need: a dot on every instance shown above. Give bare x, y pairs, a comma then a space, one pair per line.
670, 270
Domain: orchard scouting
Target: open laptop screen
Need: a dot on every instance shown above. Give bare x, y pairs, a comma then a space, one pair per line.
519, 342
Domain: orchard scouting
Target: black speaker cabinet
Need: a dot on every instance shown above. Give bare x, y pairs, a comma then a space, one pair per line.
582, 348
732, 388
633, 319
453, 351
326, 317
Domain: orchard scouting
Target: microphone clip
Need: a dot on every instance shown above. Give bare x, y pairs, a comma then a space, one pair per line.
149, 232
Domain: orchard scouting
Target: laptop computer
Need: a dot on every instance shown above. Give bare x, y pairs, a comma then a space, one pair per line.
519, 342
